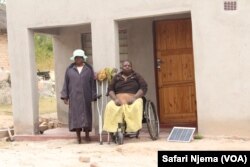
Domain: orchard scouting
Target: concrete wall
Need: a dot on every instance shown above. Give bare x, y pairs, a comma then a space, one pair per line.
141, 51
221, 49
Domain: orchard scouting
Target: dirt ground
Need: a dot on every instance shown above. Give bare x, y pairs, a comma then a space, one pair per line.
133, 153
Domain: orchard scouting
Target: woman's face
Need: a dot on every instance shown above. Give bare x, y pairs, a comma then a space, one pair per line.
126, 67
78, 60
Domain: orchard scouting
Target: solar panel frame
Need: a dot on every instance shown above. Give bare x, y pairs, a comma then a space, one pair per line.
181, 134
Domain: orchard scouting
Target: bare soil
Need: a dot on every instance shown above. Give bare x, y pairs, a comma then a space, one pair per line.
133, 153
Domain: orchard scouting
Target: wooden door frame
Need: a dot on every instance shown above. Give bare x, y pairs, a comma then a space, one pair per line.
156, 73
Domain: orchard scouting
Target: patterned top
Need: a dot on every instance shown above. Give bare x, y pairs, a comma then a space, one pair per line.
132, 84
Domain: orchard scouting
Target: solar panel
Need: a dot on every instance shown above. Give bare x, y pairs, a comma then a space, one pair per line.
181, 134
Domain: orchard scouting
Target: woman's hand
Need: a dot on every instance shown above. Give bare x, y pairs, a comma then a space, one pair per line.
131, 100
96, 97
66, 101
117, 102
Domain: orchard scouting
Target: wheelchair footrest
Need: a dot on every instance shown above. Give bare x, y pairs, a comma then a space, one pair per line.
131, 134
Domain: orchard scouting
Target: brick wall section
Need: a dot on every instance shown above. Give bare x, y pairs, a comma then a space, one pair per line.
4, 61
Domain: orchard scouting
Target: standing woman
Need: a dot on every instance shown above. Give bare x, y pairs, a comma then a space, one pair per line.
78, 92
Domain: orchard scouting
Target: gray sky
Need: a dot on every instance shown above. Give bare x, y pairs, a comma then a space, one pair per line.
2, 1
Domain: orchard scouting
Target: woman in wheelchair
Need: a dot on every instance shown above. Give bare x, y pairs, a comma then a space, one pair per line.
125, 90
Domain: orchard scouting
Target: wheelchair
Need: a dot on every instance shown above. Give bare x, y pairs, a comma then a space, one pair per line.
150, 117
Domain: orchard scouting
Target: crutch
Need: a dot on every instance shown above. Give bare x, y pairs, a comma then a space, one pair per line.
106, 102
100, 110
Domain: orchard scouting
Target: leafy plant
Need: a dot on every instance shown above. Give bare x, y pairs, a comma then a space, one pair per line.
44, 52
198, 136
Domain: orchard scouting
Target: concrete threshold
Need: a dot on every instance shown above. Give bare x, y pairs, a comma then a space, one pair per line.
51, 134
64, 133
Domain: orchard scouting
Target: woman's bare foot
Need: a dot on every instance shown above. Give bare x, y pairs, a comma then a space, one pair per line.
78, 134
87, 138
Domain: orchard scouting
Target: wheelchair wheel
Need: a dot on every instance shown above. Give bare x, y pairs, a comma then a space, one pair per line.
152, 120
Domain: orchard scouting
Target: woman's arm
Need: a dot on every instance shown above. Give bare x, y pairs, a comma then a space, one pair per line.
143, 87
65, 90
113, 97
111, 91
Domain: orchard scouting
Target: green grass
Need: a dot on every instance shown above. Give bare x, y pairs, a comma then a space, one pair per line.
44, 52
46, 105
5, 109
